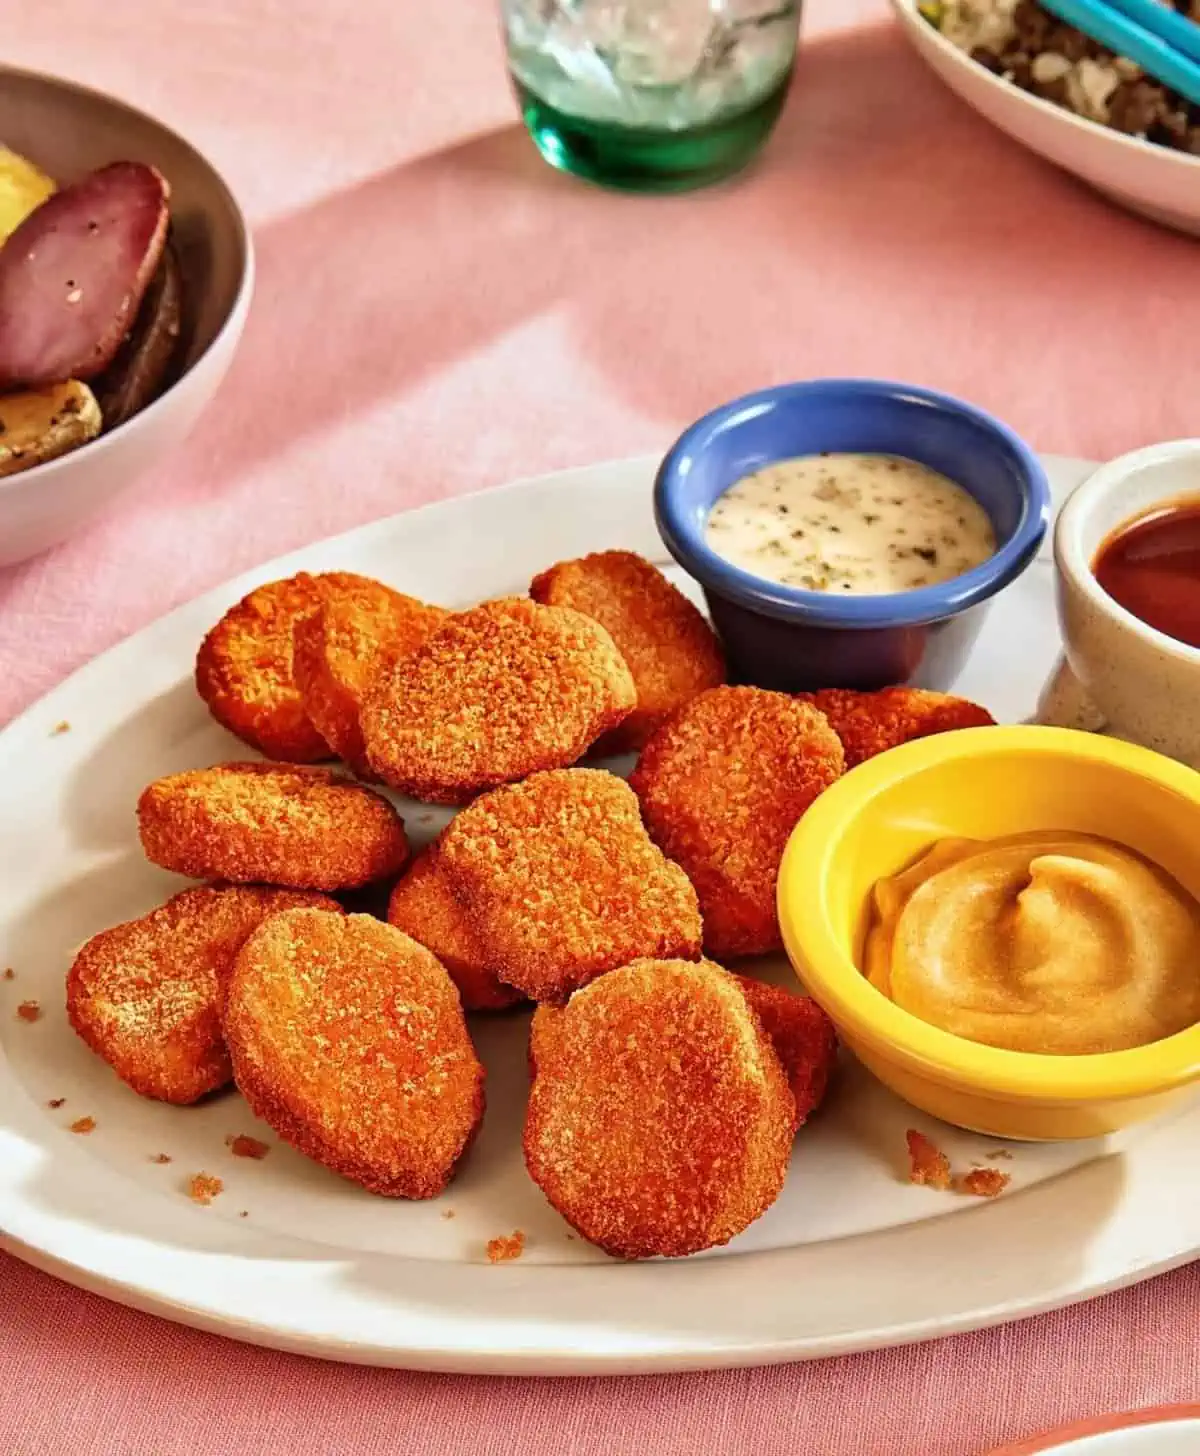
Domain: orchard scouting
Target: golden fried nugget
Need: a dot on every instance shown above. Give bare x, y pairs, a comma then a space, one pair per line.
561, 882
348, 1038
803, 1037
307, 828
244, 666
498, 693
423, 905
337, 649
871, 723
671, 650
543, 1026
722, 785
659, 1120
146, 995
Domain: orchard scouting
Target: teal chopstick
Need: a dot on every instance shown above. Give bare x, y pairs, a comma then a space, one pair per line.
1157, 56
1161, 20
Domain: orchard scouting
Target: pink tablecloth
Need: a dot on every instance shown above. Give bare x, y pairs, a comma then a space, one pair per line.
437, 312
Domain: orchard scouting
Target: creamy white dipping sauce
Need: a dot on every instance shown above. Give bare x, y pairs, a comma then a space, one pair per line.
862, 524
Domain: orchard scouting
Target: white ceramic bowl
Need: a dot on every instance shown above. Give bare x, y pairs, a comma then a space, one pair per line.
1144, 684
1158, 183
68, 130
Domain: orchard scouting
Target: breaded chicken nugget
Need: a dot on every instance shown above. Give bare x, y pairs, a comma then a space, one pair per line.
348, 1038
722, 784
498, 693
146, 995
659, 1120
871, 723
562, 882
803, 1037
543, 1030
671, 650
244, 666
308, 828
423, 905
337, 649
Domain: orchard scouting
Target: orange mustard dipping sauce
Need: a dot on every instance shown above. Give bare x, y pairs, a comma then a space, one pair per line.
1151, 567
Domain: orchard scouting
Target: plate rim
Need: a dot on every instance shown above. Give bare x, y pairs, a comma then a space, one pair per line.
411, 1347
1065, 1436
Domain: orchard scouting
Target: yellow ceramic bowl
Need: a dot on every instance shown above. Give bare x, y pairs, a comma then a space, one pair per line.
982, 783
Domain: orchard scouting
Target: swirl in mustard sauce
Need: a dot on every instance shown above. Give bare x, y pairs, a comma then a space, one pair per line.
1046, 942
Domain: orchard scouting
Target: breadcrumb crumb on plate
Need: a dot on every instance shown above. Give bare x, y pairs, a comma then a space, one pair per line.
83, 1126
927, 1164
504, 1249
242, 1146
983, 1182
29, 1011
202, 1188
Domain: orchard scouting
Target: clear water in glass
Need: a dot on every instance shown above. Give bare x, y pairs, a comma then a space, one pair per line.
650, 88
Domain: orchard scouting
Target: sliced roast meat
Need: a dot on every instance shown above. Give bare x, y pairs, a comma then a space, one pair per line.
73, 274
140, 371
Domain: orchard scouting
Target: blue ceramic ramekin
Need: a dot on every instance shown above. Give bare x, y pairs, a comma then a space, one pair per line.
784, 638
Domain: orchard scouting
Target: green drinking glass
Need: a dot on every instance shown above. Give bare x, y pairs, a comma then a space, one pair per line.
650, 95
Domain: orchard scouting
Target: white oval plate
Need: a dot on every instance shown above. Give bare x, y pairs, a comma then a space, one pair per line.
850, 1257
1162, 1431
1155, 181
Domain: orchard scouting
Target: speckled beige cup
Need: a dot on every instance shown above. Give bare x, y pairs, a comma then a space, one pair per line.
1145, 685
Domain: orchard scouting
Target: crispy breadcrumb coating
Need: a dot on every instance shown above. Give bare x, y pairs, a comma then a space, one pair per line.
494, 695
802, 1035
722, 785
871, 723
348, 1038
424, 906
659, 1120
244, 666
671, 650
307, 828
338, 649
146, 995
562, 883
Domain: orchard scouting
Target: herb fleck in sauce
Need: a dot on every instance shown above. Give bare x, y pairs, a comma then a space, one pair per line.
866, 524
